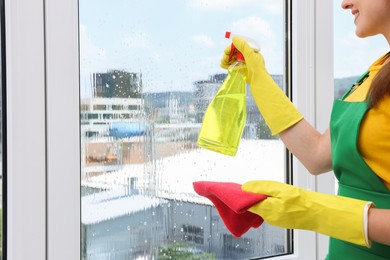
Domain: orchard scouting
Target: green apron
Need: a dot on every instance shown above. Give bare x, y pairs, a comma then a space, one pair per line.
356, 179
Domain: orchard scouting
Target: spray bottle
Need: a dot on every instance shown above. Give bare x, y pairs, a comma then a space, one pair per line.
225, 117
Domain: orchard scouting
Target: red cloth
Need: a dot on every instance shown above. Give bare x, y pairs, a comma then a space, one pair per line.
232, 204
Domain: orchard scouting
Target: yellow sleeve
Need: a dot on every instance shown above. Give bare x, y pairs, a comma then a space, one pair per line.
374, 140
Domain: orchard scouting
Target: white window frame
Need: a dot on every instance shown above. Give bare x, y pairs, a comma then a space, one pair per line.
43, 115
313, 95
26, 129
43, 150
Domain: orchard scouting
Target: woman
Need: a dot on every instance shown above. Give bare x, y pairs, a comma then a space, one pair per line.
356, 147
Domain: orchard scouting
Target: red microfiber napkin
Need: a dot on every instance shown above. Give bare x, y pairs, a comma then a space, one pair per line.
232, 204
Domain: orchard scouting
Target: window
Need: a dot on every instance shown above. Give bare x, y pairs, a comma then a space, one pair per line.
151, 76
44, 86
352, 55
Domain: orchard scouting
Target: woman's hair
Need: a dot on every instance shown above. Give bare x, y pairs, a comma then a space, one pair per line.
380, 86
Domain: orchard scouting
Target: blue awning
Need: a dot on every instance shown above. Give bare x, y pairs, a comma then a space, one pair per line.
126, 129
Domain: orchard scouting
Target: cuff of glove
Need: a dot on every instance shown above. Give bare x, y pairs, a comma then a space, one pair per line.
285, 123
365, 222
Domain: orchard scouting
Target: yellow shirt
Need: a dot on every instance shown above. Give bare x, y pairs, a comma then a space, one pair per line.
374, 136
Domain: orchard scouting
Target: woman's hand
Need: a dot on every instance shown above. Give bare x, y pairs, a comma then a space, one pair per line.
289, 206
276, 108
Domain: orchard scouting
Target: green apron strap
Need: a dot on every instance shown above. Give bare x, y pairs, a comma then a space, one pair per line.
356, 84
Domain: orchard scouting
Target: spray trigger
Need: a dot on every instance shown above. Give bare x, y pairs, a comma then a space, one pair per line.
232, 51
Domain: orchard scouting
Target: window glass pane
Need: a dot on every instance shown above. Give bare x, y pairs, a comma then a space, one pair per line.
352, 55
148, 71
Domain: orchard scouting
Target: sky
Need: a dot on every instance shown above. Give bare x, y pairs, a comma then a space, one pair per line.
173, 43
177, 42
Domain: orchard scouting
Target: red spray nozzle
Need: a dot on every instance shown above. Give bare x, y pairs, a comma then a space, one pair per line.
234, 50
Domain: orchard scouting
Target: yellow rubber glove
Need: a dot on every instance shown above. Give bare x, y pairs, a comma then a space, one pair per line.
277, 110
291, 207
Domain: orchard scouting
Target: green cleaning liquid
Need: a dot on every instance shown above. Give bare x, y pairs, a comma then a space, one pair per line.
225, 117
